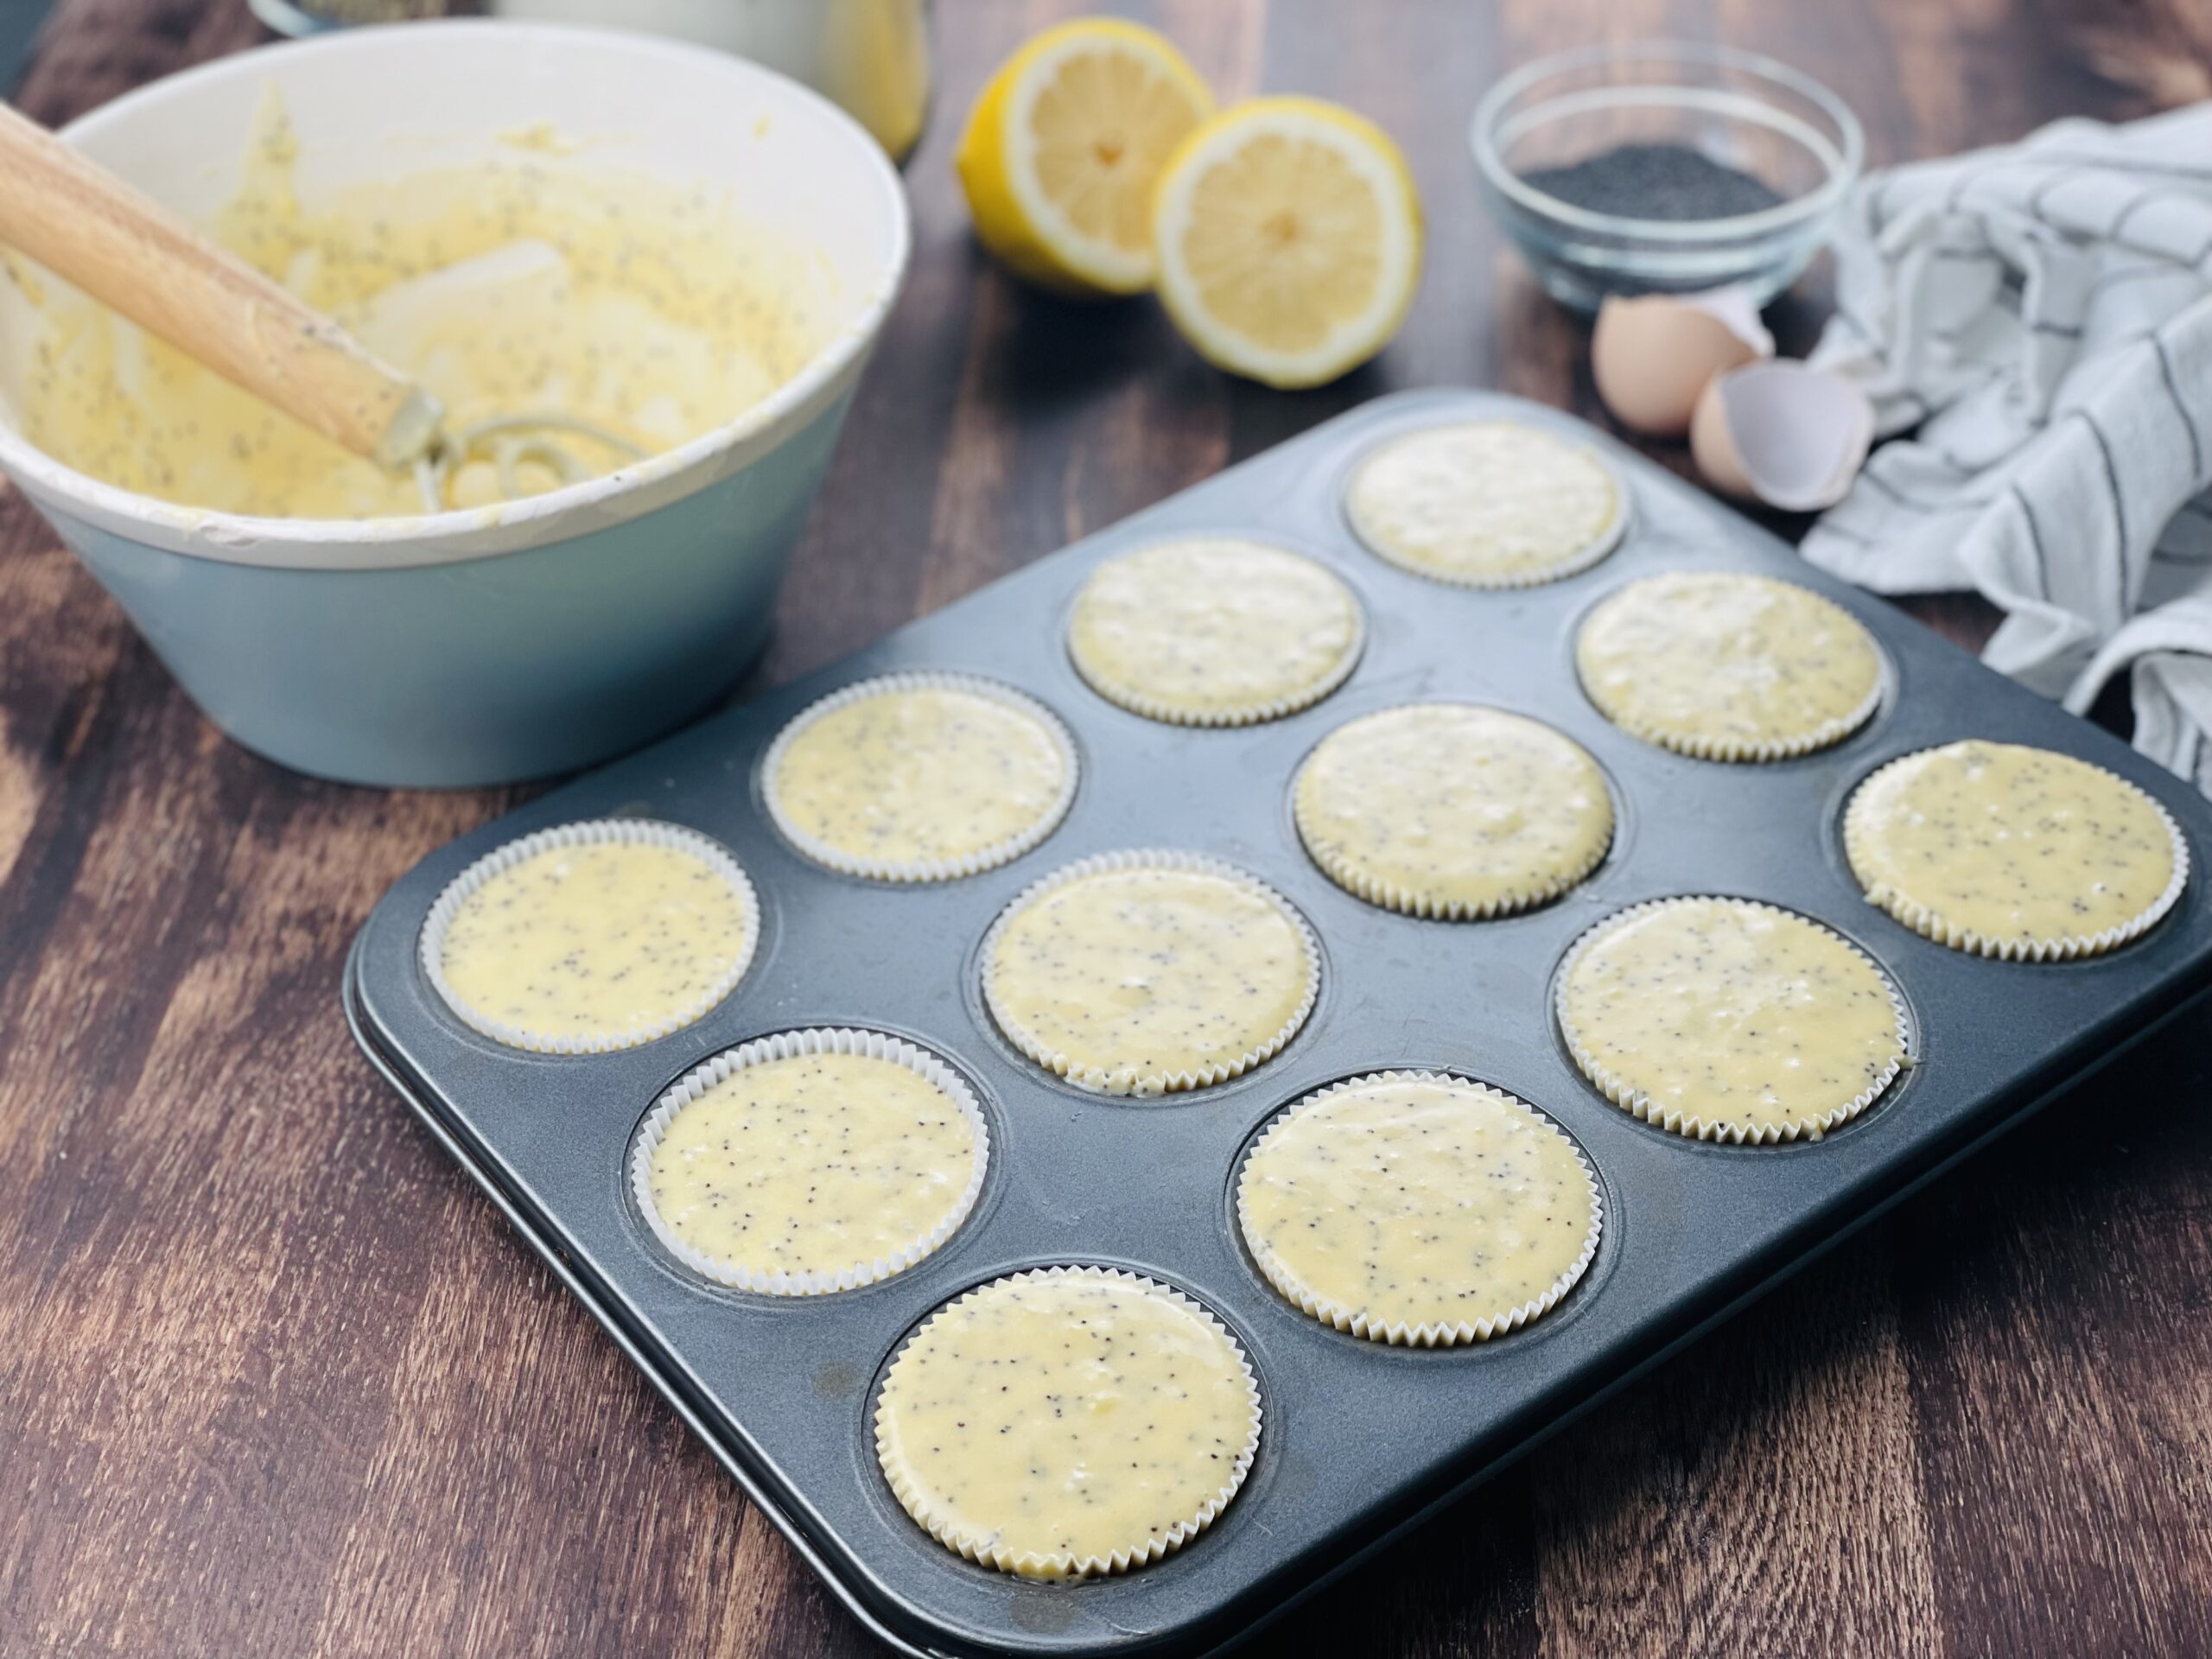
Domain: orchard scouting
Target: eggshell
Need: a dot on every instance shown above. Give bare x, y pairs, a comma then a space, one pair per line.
1783, 433
1712, 448
1651, 355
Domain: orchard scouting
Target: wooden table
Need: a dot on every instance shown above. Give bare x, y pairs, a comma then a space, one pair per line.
275, 1381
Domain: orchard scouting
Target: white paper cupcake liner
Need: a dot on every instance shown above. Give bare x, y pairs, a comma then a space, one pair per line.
1639, 1104
1430, 1333
1348, 874
1743, 751
986, 1551
1573, 564
1138, 701
636, 832
818, 1040
1930, 924
1701, 747
1097, 1079
927, 869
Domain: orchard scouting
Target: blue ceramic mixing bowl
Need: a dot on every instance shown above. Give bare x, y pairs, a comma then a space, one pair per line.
489, 645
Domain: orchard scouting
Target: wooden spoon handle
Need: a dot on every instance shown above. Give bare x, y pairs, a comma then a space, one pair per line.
134, 255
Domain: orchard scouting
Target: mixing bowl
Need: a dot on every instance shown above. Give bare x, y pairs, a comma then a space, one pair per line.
544, 634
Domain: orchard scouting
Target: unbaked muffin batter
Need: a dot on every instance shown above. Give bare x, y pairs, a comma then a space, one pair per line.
1067, 1422
526, 284
1148, 980
609, 941
1728, 667
1214, 631
1443, 809
1417, 1209
1486, 504
817, 1164
2011, 851
1730, 1020
908, 779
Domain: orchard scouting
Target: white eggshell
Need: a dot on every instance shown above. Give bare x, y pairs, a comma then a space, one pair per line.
1783, 432
1733, 306
1651, 355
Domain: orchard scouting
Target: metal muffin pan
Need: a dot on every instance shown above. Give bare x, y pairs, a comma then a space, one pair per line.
1360, 1440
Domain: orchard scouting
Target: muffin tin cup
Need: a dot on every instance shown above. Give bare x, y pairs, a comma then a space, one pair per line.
786, 1045
986, 1550
1928, 924
594, 832
1639, 1104
1600, 548
1138, 701
921, 869
1823, 734
1097, 1080
1427, 1333
1356, 880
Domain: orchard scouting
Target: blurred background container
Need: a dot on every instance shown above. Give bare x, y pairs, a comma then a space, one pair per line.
871, 56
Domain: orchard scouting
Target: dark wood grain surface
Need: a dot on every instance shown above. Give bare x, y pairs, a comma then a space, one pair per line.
274, 1380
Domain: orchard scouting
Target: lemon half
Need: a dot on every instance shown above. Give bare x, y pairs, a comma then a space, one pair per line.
1288, 233
1062, 149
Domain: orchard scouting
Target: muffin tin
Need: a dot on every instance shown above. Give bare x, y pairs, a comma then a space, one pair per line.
1360, 1438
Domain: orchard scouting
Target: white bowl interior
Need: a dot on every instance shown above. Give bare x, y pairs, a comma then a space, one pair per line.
380, 104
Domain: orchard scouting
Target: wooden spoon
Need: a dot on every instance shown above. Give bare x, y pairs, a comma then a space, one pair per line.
134, 255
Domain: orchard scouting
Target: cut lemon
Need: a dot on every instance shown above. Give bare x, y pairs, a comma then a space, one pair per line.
1063, 147
1289, 237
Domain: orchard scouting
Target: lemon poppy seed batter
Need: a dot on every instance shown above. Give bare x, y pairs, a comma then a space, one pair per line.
1728, 667
799, 1165
651, 309
607, 935
1214, 631
2011, 851
1411, 1208
1725, 1019
919, 776
1142, 974
1486, 504
1067, 1422
1446, 809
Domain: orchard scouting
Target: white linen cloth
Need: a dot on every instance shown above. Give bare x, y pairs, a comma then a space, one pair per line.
2042, 314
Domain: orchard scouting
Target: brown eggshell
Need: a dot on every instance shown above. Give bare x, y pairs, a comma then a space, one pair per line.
1653, 354
1711, 446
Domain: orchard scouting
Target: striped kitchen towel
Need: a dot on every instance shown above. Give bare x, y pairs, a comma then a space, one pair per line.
2039, 319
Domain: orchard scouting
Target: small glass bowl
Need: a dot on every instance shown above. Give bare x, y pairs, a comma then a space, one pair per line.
1742, 111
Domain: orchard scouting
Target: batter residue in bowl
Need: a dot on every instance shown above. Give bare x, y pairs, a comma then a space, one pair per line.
535, 282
